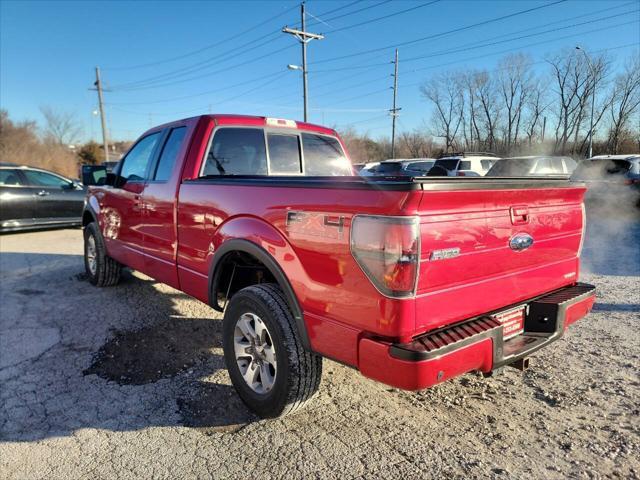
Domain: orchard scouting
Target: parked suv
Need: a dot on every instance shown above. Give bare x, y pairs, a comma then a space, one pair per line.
464, 165
533, 165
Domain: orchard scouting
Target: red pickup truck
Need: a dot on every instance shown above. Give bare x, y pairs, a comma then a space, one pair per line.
412, 281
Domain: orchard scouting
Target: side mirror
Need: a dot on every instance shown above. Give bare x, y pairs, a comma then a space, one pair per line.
111, 179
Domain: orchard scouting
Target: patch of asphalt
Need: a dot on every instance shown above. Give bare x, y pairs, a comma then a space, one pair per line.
136, 387
155, 352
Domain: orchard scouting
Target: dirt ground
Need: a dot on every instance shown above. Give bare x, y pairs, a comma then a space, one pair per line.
129, 382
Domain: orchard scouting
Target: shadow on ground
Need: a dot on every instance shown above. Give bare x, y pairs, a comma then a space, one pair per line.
616, 307
123, 358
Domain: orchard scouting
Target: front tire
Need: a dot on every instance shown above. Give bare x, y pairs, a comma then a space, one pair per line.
101, 270
269, 367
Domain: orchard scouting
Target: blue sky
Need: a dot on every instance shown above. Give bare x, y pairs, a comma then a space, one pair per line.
166, 60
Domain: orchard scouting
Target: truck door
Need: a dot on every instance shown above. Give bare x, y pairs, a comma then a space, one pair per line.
159, 199
122, 204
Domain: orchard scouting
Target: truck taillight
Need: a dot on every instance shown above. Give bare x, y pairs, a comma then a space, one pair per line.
388, 251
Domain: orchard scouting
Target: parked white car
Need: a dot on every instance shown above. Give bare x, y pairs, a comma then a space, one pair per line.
533, 165
464, 165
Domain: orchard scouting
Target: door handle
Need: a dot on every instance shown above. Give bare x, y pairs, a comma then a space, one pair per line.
43, 193
519, 214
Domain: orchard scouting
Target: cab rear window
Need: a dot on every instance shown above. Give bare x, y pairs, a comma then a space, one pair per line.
252, 151
323, 156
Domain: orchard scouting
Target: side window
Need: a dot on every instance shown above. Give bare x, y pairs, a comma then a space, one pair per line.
169, 154
43, 179
284, 154
236, 151
545, 166
323, 156
569, 165
9, 177
486, 164
137, 160
464, 165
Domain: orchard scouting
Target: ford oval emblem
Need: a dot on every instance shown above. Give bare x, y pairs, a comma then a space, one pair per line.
520, 241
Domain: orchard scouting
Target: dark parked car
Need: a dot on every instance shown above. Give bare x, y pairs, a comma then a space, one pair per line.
417, 167
35, 198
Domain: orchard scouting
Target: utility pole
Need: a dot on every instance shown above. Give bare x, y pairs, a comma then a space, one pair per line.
304, 37
103, 118
544, 127
394, 110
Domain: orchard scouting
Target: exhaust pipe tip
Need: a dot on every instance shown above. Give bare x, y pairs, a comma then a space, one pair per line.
521, 364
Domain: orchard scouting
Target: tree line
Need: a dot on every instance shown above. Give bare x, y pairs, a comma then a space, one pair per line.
513, 110
54, 146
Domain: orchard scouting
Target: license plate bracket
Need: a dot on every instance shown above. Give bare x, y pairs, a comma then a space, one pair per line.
512, 322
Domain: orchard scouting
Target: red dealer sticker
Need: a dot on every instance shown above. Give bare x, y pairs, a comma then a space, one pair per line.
512, 322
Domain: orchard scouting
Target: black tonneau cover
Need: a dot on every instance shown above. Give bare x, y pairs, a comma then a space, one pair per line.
402, 183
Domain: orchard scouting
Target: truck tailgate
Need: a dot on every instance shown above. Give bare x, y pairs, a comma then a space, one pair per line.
470, 263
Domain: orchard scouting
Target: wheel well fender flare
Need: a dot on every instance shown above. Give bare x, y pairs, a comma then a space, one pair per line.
246, 246
89, 213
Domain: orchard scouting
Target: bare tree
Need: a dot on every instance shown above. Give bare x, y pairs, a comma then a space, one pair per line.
472, 110
60, 127
485, 91
625, 100
576, 82
536, 107
445, 92
416, 144
514, 83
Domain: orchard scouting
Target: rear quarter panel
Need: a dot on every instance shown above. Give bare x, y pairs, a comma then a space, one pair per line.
337, 299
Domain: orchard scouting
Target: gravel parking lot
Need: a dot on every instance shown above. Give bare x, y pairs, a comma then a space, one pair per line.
129, 382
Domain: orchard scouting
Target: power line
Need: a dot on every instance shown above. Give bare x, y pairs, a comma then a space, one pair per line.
220, 58
340, 8
371, 65
473, 46
206, 63
529, 45
369, 7
229, 99
200, 94
448, 32
482, 46
386, 63
216, 72
366, 22
206, 47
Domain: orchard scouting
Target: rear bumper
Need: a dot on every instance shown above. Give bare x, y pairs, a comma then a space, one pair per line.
474, 345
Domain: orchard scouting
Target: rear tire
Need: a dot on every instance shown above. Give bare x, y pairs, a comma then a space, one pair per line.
262, 346
101, 270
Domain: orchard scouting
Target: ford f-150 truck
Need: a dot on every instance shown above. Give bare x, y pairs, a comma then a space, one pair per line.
412, 281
